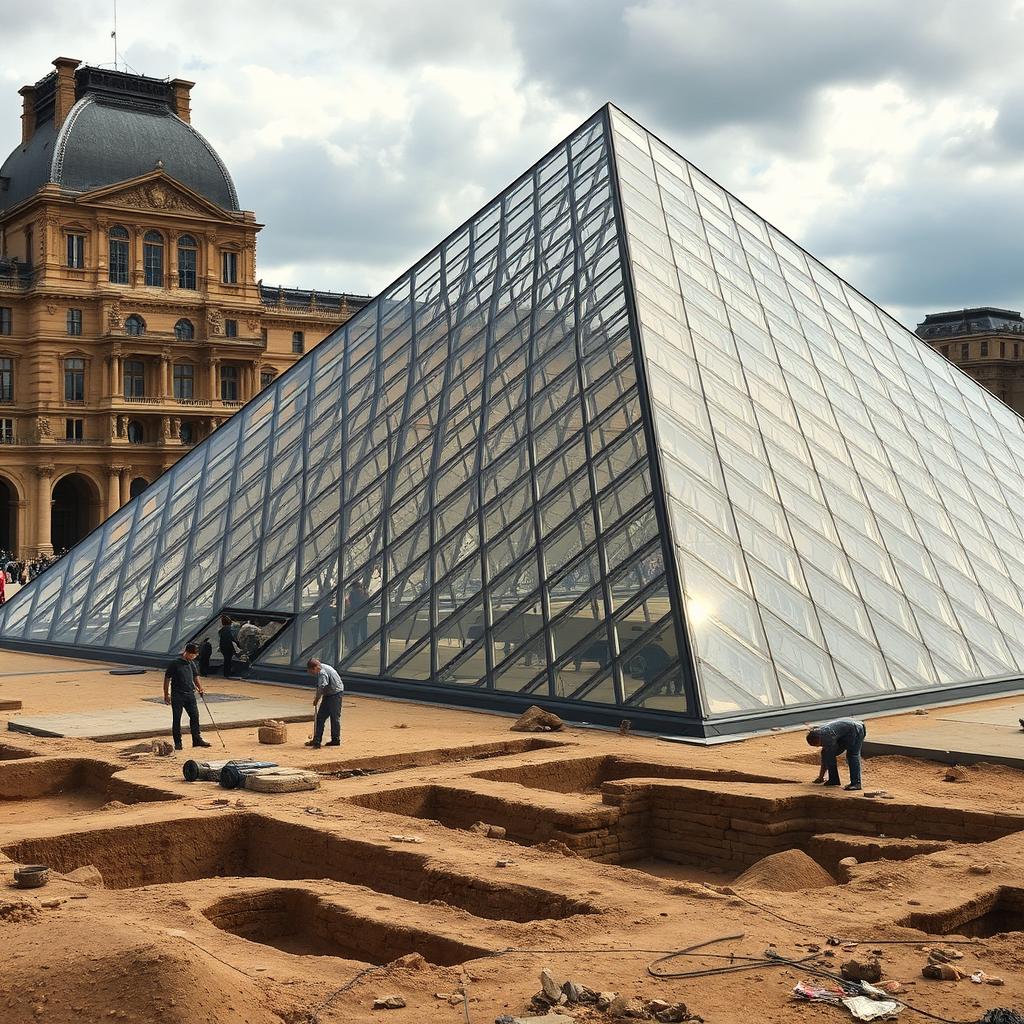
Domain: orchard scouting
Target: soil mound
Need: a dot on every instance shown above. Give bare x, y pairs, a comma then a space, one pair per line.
170, 981
787, 871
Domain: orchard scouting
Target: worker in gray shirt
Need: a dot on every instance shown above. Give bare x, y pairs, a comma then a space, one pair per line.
844, 734
327, 701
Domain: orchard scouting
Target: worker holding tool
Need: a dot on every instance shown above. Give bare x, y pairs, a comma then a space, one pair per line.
181, 681
844, 734
326, 701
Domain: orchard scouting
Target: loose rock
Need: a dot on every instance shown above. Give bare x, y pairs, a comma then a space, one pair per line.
980, 869
551, 988
388, 1003
861, 970
535, 719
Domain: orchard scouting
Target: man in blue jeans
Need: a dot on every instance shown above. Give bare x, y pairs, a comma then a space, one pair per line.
844, 734
327, 701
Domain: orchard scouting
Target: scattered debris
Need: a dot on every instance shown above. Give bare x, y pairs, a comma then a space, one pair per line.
956, 773
861, 970
942, 954
556, 846
51, 904
866, 1008
158, 748
535, 719
13, 911
920, 711
941, 972
405, 839
504, 863
848, 862
625, 727
388, 1003
410, 962
980, 869
491, 831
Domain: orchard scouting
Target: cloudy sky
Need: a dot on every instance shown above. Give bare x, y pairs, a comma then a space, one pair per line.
886, 137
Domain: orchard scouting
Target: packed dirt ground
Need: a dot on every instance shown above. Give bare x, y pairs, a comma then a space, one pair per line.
447, 861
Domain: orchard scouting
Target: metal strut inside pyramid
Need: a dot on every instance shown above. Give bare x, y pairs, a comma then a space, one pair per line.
616, 445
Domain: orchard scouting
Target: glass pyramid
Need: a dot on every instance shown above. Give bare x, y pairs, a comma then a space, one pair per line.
616, 446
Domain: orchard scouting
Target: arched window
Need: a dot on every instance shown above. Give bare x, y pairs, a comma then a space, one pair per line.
188, 261
137, 486
136, 435
118, 262
153, 259
184, 331
135, 325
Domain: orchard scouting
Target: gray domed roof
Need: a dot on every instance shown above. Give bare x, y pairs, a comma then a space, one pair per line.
104, 141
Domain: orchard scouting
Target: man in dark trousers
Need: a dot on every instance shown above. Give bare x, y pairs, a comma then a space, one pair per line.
844, 734
181, 680
329, 691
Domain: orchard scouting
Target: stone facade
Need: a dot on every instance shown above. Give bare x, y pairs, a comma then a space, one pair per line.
108, 375
986, 343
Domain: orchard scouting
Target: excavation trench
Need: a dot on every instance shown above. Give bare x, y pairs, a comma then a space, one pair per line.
302, 922
37, 788
382, 763
12, 753
650, 823
988, 915
588, 774
250, 846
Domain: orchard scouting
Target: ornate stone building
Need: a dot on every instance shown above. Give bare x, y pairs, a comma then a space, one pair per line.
986, 343
132, 322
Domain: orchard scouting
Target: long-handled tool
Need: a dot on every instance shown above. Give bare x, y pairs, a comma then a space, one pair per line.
210, 713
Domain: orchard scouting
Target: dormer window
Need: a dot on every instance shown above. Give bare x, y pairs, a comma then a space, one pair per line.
184, 331
153, 259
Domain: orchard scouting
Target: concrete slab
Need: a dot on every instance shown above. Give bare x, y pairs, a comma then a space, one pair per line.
953, 742
1006, 715
144, 719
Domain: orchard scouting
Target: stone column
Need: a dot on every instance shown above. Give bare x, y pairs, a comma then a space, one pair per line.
126, 483
44, 509
118, 376
113, 489
213, 380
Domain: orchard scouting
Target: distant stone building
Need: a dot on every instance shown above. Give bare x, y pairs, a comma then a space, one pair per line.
132, 323
986, 343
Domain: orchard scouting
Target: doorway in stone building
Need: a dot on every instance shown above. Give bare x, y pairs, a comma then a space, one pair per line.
8, 516
76, 504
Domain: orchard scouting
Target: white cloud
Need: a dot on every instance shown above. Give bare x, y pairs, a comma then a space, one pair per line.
884, 136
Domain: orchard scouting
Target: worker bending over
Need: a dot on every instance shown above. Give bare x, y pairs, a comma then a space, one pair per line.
834, 738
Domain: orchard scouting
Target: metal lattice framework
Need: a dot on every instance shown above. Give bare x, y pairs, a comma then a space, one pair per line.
618, 445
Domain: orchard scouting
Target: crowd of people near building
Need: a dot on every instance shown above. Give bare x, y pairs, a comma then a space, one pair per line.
20, 570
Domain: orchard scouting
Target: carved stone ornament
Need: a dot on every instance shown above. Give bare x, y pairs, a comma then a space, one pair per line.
155, 196
43, 429
114, 320
215, 319
45, 471
253, 324
51, 308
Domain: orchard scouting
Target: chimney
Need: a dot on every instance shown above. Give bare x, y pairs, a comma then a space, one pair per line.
64, 97
28, 112
182, 90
